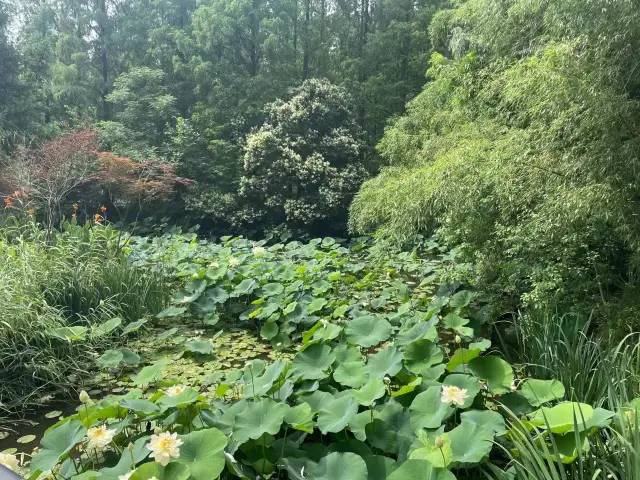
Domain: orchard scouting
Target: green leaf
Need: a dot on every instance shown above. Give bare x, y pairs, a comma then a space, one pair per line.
129, 357
269, 330
351, 370
217, 295
290, 308
271, 289
140, 406
367, 331
470, 442
68, 334
311, 363
538, 392
172, 311
203, 347
56, 443
438, 456
88, 475
461, 299
458, 324
110, 358
167, 334
340, 466
151, 373
421, 356
560, 419
258, 418
187, 397
106, 327
246, 287
133, 327
173, 471
316, 305
462, 356
300, 417
26, 439
336, 415
420, 331
203, 453
139, 453
496, 372
428, 411
386, 362
487, 419
369, 393
420, 469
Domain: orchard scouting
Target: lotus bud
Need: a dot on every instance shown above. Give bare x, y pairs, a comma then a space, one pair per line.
514, 386
130, 447
247, 365
386, 380
458, 339
84, 397
439, 442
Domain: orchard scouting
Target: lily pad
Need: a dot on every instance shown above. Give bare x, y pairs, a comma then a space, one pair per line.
203, 453
367, 331
340, 466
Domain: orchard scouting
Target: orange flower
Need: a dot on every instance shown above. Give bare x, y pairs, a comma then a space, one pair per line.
97, 218
7, 202
31, 211
75, 206
103, 209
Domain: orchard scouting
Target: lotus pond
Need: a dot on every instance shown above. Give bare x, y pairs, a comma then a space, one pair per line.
329, 360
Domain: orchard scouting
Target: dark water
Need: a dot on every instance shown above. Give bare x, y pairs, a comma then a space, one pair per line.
35, 423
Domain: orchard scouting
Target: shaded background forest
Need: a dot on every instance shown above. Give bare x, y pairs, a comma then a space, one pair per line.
519, 147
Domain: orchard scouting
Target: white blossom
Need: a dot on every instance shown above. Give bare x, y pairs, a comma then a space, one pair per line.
454, 395
164, 446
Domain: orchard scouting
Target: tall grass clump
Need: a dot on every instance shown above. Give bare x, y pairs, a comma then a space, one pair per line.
81, 276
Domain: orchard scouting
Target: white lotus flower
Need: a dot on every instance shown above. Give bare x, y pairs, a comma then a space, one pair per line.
214, 265
453, 394
99, 437
514, 386
126, 476
10, 461
175, 390
164, 446
259, 251
234, 262
84, 397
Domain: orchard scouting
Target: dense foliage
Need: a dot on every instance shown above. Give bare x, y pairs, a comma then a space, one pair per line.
522, 149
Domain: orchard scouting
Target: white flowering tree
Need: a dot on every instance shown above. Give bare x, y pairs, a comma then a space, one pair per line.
305, 162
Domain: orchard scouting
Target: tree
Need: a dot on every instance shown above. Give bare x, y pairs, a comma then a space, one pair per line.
305, 162
9, 81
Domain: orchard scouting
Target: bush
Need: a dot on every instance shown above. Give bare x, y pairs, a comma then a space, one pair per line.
521, 150
304, 164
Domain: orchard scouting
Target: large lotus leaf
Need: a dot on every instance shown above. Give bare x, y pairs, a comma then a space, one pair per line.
245, 287
538, 392
516, 402
351, 369
421, 355
187, 397
134, 326
438, 456
140, 406
311, 363
167, 334
203, 453
173, 471
137, 454
386, 362
420, 469
130, 357
466, 382
151, 373
217, 295
427, 409
68, 334
370, 392
461, 299
258, 418
568, 447
337, 414
203, 347
110, 358
458, 324
600, 419
171, 311
560, 419
322, 331
316, 305
379, 467
87, 475
340, 466
317, 399
56, 443
420, 331
106, 327
462, 356
259, 385
381, 435
367, 331
271, 289
495, 371
300, 417
269, 330
487, 419
470, 442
